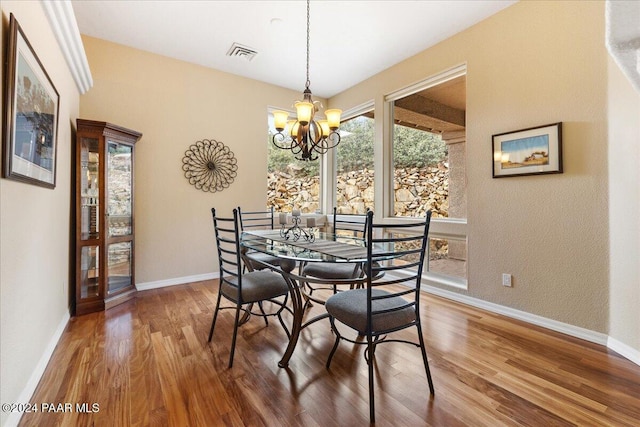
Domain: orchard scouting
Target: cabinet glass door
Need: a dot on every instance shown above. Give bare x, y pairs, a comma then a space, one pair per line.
119, 192
89, 190
119, 266
119, 188
89, 271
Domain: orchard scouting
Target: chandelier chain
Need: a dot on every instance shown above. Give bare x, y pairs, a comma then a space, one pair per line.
308, 83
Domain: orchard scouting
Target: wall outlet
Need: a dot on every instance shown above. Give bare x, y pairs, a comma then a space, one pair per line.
506, 279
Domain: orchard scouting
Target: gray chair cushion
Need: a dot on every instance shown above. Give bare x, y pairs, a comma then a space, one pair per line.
350, 308
286, 264
331, 270
256, 286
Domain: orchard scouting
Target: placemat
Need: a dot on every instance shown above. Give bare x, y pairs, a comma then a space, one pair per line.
333, 248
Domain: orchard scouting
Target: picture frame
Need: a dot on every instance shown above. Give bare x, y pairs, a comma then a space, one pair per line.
531, 151
31, 115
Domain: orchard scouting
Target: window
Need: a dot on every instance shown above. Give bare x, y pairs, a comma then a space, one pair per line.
420, 173
354, 168
447, 257
427, 142
291, 183
422, 155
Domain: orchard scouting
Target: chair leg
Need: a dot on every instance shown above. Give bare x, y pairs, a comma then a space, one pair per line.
335, 344
264, 315
215, 316
370, 351
424, 358
235, 335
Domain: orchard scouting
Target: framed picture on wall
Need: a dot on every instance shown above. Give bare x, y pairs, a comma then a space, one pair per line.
31, 114
531, 151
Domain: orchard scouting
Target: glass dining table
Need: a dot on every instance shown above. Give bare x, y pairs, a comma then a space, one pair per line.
325, 247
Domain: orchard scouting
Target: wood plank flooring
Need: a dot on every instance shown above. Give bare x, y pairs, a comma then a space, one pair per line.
148, 363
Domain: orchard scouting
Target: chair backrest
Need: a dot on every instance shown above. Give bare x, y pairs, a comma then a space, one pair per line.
228, 244
260, 220
349, 227
395, 259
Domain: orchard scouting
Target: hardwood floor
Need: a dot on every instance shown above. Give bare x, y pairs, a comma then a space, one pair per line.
148, 363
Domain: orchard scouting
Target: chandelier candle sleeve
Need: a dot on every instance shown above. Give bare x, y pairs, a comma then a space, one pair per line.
324, 125
333, 117
293, 127
280, 120
304, 110
311, 222
283, 218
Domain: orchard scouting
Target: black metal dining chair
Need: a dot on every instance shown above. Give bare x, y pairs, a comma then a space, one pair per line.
395, 252
333, 271
258, 220
244, 289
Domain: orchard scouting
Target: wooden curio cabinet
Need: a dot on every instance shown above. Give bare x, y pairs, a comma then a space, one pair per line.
104, 226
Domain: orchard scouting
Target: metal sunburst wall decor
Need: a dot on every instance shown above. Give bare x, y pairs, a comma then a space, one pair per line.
209, 165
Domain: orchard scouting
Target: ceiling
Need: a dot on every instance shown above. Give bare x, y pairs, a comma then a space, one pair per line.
439, 109
350, 40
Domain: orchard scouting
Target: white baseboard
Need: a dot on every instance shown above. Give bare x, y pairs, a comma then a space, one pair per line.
38, 371
624, 350
176, 281
554, 325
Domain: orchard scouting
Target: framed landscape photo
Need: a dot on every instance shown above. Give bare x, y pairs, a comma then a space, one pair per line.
530, 151
31, 114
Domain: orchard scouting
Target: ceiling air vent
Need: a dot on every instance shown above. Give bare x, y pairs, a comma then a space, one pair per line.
241, 51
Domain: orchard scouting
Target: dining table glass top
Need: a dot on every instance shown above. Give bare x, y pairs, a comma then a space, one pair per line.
326, 247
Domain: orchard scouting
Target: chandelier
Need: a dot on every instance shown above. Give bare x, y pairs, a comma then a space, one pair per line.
307, 137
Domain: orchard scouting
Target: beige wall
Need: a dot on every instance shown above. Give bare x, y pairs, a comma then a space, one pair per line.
624, 208
531, 64
174, 104
34, 225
